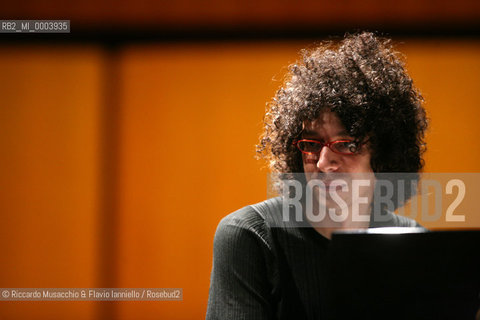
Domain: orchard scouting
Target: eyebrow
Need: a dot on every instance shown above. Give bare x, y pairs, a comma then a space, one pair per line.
313, 133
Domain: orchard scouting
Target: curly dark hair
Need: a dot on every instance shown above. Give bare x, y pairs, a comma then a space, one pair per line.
362, 80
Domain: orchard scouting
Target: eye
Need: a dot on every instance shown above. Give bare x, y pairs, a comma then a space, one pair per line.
352, 147
310, 146
346, 146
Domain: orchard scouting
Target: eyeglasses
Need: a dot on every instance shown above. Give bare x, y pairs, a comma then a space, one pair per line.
345, 147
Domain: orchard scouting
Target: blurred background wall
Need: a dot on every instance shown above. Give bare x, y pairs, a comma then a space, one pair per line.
124, 142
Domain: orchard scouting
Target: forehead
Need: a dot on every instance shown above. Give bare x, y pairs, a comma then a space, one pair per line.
327, 124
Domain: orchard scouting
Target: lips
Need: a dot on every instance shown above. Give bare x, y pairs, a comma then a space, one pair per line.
330, 180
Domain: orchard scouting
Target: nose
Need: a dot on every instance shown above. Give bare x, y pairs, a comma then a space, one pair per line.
328, 160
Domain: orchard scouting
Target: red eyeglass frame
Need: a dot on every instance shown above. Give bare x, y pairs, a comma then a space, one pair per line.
328, 144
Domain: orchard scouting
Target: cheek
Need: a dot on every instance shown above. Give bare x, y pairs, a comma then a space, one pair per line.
309, 160
360, 164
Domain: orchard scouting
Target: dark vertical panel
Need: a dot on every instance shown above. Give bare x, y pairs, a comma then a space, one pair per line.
109, 180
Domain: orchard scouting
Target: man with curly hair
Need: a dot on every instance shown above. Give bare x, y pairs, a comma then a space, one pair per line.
346, 108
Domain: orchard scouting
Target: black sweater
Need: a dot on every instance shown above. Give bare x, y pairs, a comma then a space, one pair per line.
264, 268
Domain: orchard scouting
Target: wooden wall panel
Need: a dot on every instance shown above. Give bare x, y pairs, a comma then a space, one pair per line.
49, 175
448, 75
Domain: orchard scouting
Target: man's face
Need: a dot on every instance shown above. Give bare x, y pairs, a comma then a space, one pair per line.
326, 128
339, 173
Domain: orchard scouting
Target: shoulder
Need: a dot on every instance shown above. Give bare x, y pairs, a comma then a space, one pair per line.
243, 267
251, 221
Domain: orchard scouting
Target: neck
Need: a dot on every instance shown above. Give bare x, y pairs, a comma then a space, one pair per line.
350, 217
